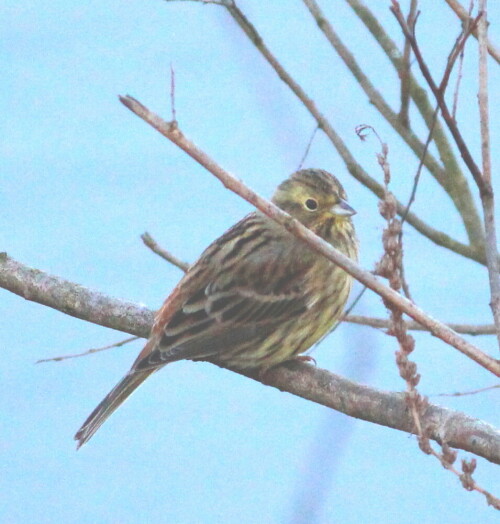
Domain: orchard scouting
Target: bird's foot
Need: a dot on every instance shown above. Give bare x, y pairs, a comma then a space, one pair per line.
306, 358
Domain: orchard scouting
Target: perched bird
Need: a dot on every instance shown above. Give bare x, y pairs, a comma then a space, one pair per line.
256, 297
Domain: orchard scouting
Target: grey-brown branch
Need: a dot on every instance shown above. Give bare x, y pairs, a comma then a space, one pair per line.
389, 409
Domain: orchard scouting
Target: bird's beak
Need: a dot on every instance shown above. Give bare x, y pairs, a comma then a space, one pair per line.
342, 209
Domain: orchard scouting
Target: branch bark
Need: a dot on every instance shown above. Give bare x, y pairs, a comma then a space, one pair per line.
317, 385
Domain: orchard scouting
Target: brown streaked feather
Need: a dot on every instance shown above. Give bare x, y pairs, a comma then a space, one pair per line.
110, 403
206, 304
206, 317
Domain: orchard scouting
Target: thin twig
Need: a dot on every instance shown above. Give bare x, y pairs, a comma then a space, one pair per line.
416, 179
382, 323
354, 303
465, 17
405, 71
460, 69
88, 352
308, 147
378, 323
488, 197
150, 242
465, 393
455, 52
172, 132
172, 92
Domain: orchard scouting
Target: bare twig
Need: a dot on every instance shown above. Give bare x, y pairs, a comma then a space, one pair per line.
88, 352
456, 51
347, 313
314, 384
382, 323
150, 242
172, 132
465, 17
405, 71
308, 147
172, 92
416, 179
460, 69
487, 196
464, 393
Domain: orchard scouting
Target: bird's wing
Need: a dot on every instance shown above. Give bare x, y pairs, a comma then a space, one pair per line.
219, 305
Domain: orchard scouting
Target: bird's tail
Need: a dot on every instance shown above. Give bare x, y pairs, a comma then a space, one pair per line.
110, 403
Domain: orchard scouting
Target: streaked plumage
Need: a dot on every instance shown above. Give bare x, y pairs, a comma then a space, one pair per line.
256, 297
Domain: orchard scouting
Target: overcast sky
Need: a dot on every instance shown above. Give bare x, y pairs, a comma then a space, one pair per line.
82, 178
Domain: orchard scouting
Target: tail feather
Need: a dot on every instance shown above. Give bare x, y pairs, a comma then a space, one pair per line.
110, 403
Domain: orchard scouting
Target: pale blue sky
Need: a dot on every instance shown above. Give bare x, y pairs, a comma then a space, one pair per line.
82, 178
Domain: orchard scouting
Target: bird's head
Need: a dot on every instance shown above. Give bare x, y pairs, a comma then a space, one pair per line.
315, 198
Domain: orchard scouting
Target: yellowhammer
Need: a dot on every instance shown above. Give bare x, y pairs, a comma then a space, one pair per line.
256, 297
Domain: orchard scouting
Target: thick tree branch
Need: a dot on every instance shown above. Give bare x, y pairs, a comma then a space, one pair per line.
74, 299
317, 385
171, 131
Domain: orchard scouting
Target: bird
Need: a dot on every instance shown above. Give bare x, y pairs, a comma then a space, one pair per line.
256, 297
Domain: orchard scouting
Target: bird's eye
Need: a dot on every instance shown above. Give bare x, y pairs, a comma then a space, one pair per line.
311, 204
